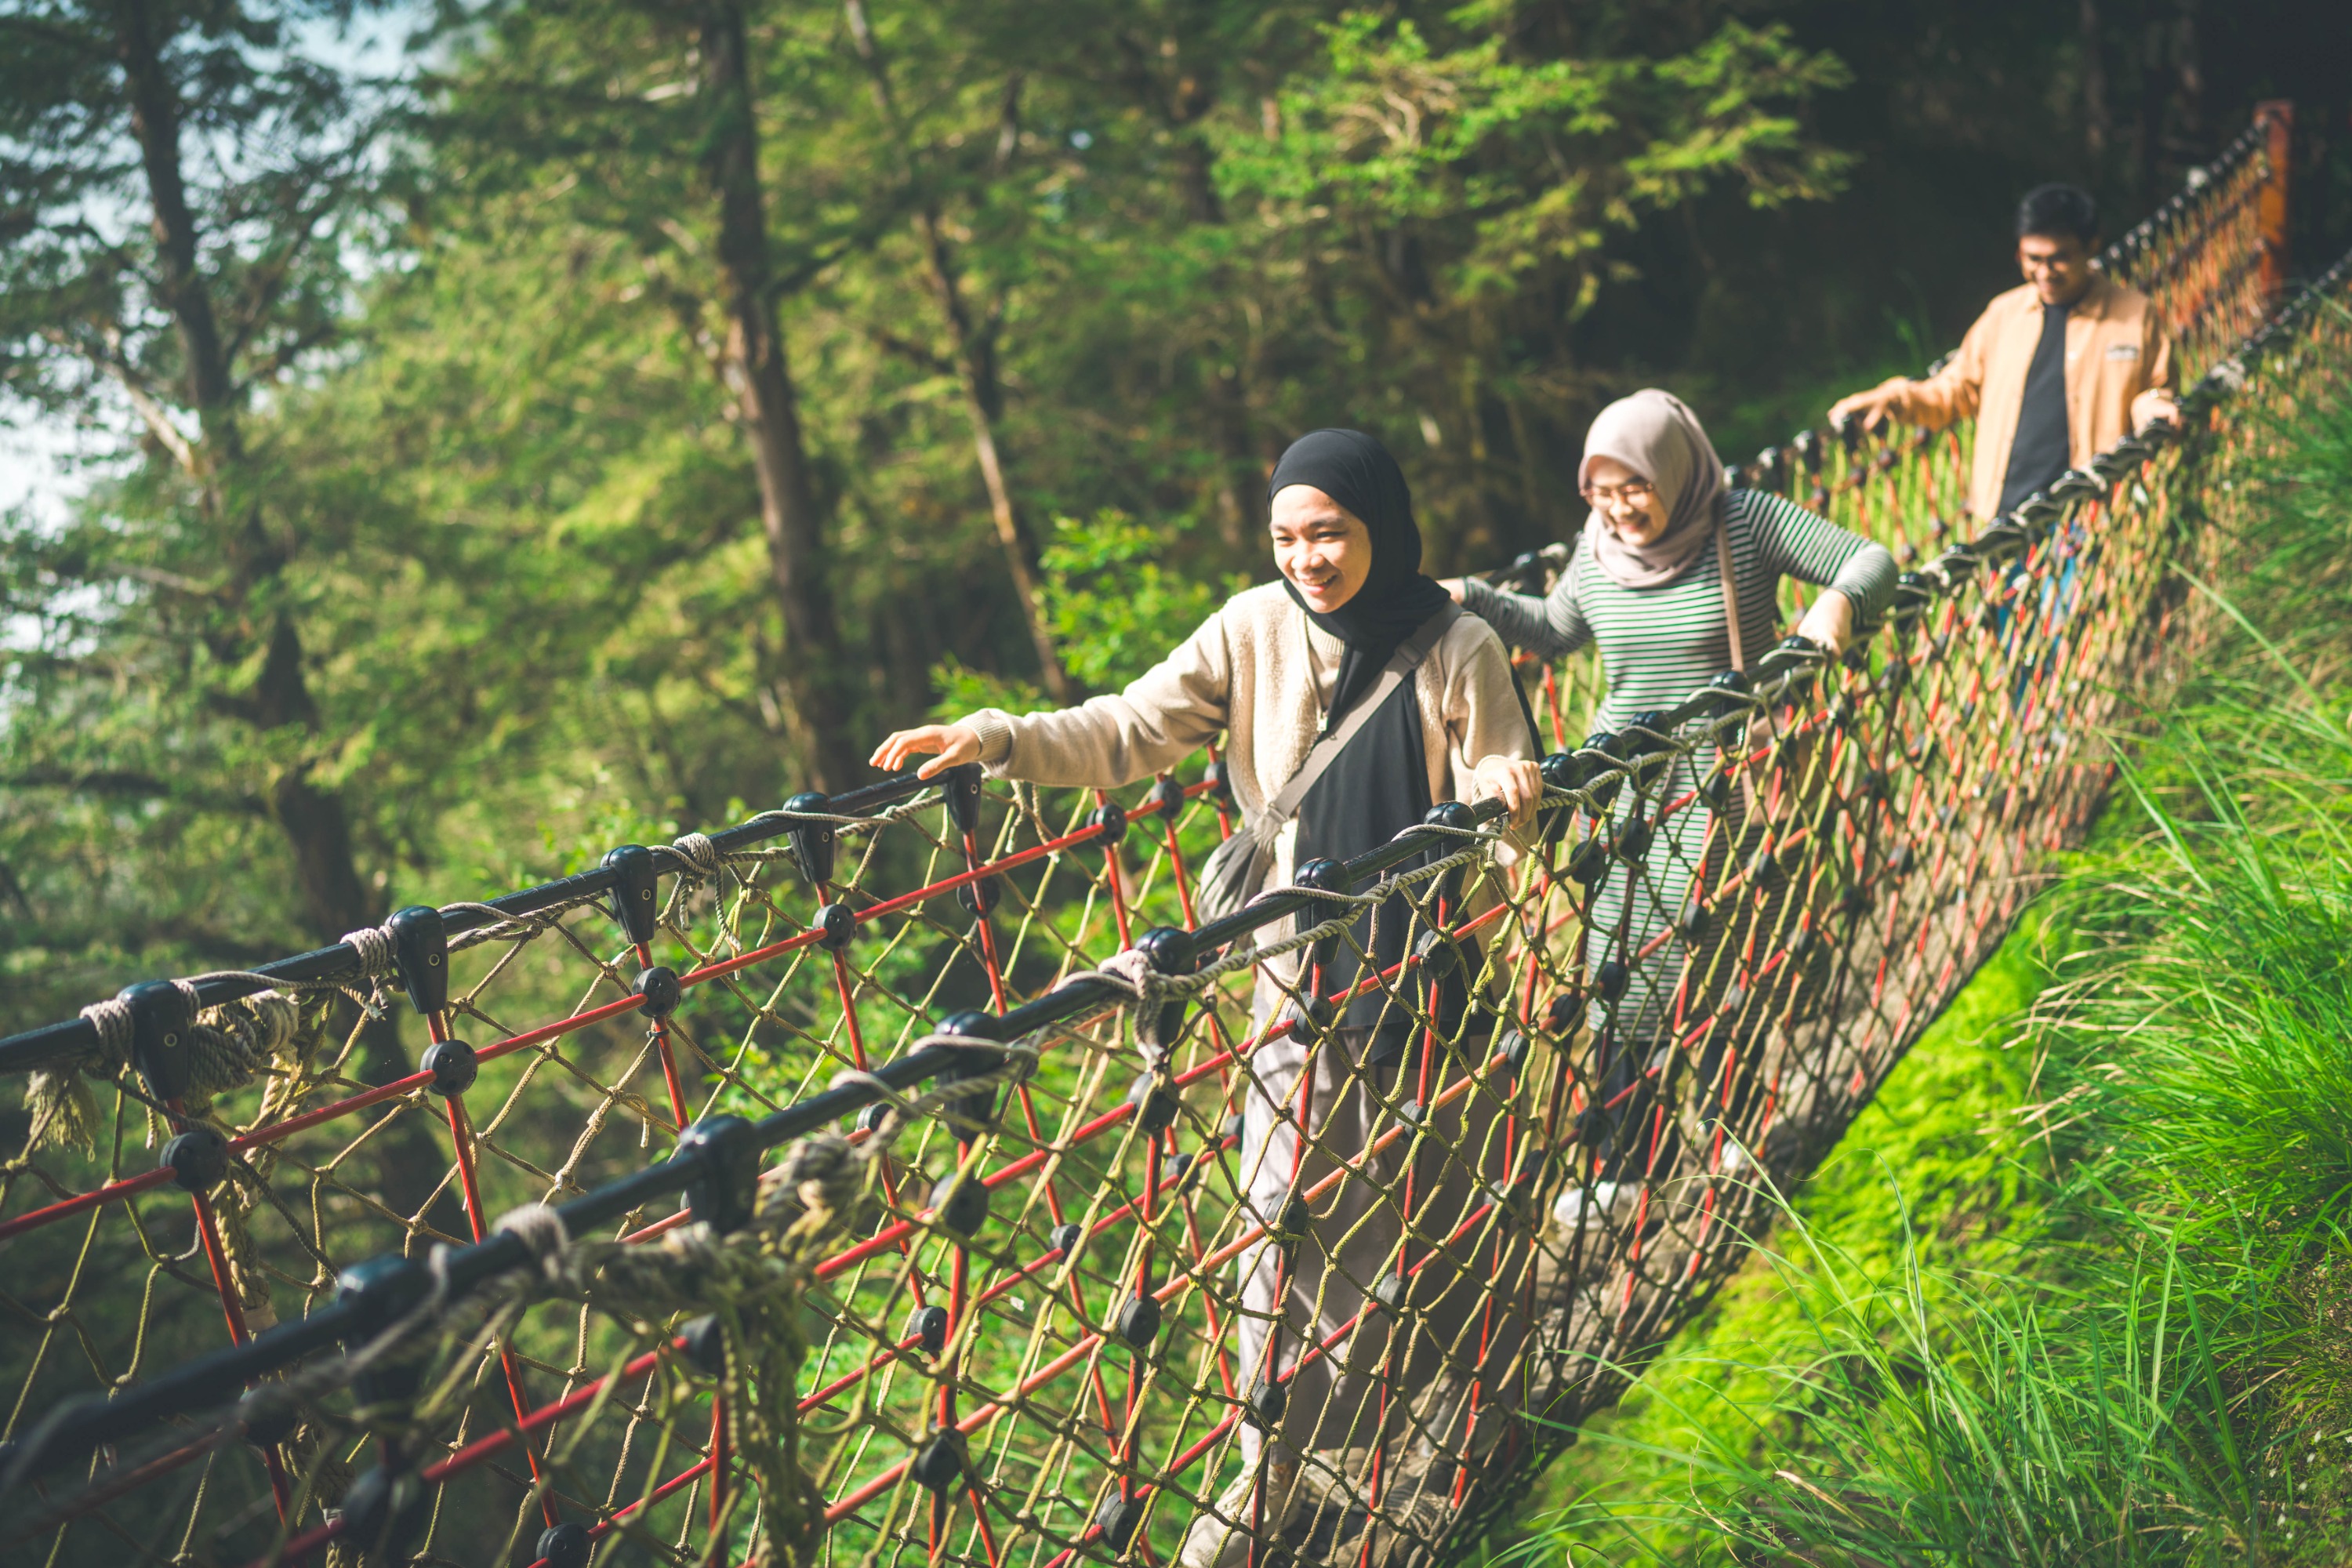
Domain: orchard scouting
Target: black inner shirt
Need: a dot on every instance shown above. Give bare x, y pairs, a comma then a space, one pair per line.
2039, 454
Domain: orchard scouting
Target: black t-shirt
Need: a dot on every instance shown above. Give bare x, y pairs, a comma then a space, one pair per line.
2039, 454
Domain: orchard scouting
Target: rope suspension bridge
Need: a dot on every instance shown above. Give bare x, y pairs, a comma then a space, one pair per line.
863, 1182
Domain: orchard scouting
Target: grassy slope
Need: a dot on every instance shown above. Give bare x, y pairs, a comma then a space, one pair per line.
1937, 1160
2113, 1332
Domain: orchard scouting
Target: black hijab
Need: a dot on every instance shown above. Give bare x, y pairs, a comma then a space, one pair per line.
1357, 471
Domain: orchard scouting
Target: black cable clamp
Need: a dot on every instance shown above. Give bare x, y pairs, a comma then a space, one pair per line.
703, 1341
1171, 952
635, 904
724, 1190
969, 1115
960, 788
1322, 875
420, 952
813, 843
385, 1512
161, 1026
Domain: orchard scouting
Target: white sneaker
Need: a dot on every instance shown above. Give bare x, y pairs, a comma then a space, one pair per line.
1605, 1202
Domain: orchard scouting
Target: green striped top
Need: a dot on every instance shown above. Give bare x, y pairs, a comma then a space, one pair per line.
1659, 644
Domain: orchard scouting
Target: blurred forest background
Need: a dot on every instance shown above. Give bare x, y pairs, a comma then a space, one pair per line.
590, 418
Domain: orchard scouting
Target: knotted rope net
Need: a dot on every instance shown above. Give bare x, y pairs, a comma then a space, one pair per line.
910, 1176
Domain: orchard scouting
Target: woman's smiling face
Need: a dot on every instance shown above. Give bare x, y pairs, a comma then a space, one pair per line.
1626, 501
1321, 547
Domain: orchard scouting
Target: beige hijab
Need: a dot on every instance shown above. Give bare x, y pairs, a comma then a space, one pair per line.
1654, 435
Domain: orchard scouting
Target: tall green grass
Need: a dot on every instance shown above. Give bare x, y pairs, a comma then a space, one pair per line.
2129, 1340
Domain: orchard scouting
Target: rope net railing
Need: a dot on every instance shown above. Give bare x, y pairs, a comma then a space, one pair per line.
908, 1174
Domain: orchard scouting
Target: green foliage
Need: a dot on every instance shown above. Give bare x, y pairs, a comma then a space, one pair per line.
1114, 603
1519, 167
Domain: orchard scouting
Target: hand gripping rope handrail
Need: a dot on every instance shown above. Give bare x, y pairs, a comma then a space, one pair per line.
1010, 1286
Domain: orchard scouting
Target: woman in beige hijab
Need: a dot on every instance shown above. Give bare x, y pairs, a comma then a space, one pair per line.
1668, 551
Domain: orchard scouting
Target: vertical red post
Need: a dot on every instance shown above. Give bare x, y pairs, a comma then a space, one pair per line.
2276, 118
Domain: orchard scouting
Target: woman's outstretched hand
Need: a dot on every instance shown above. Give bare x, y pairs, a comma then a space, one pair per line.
955, 743
1518, 784
1451, 585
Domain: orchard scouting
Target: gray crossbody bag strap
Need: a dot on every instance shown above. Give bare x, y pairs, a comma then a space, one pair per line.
1236, 873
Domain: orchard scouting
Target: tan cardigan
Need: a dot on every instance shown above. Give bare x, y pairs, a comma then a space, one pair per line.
1260, 671
2117, 356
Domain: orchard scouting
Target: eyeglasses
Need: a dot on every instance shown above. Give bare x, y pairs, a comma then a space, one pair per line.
1632, 493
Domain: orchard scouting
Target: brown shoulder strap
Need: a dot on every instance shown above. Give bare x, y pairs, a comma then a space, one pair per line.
1731, 590
1731, 624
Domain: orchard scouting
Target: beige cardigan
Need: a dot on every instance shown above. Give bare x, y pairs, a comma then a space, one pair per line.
1261, 672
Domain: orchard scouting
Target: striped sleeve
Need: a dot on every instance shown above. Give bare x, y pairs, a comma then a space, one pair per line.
1550, 628
1798, 544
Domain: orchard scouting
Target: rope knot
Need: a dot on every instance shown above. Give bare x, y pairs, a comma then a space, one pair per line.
822, 1175
111, 1019
372, 945
700, 855
541, 1229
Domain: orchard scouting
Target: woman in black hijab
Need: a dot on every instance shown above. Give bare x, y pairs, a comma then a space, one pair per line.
1358, 474
1352, 695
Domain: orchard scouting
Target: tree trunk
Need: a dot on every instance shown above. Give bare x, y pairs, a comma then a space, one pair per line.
156, 123
983, 399
2098, 124
760, 379
315, 821
1241, 470
983, 390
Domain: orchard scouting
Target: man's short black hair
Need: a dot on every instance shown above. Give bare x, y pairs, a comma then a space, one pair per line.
2058, 210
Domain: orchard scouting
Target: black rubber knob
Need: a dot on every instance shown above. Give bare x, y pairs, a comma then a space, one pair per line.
564, 1545
960, 1203
661, 990
197, 1159
453, 1066
928, 1325
1139, 1319
835, 925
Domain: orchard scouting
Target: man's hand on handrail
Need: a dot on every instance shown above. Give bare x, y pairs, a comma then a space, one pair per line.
1874, 407
2153, 406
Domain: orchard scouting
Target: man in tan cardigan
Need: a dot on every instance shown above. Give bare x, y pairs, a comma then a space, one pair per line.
2055, 371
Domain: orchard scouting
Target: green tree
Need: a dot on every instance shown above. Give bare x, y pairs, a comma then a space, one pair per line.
180, 186
1440, 215
651, 122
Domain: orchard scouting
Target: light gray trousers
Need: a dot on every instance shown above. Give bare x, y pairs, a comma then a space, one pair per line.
1463, 1322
